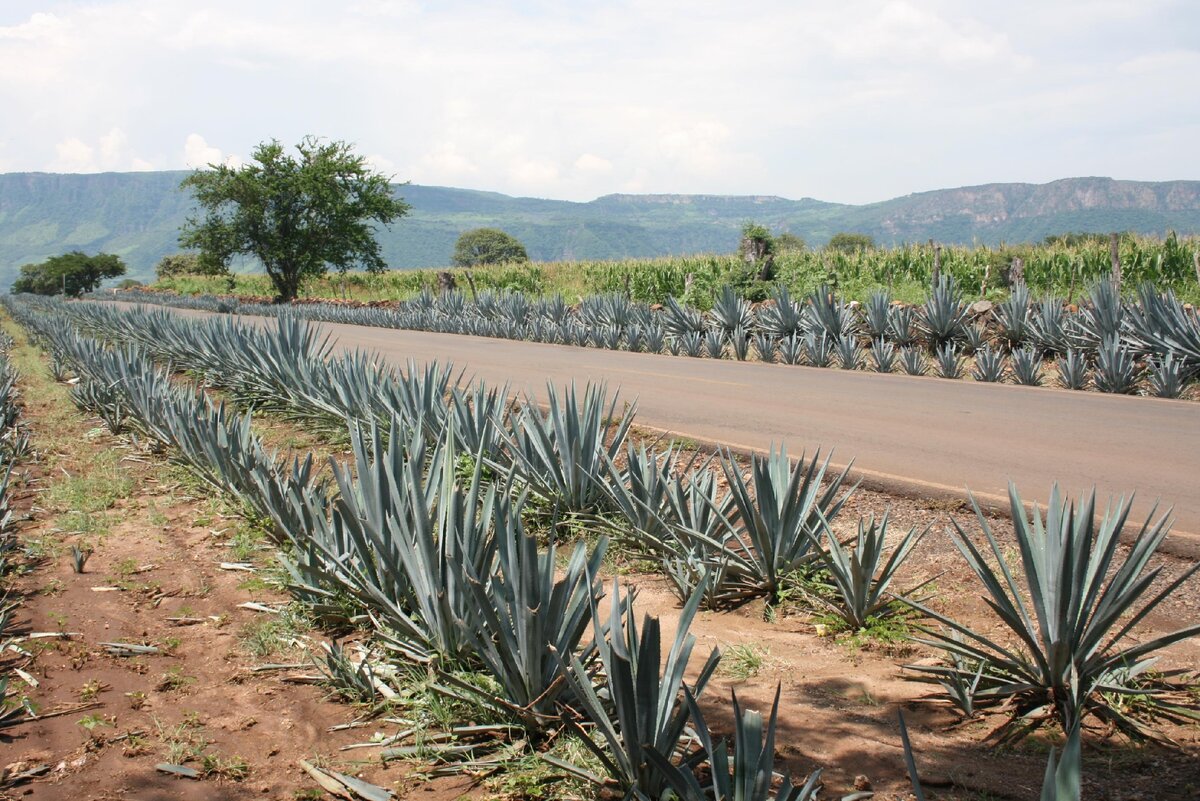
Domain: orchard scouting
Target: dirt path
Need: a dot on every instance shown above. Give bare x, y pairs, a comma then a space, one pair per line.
158, 541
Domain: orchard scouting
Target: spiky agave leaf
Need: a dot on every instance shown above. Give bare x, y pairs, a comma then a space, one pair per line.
990, 365
527, 617
748, 776
779, 515
642, 707
1116, 370
1084, 600
862, 578
944, 314
730, 312
1072, 370
562, 453
1027, 366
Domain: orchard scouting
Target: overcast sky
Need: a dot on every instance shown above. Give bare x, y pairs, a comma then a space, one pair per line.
851, 101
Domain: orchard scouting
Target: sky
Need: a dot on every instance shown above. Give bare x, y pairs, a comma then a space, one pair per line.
851, 101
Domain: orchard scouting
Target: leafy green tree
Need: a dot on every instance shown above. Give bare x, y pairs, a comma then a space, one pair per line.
487, 246
72, 274
298, 216
789, 243
177, 264
850, 243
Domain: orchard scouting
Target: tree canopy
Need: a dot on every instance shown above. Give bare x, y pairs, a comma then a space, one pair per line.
298, 215
487, 246
73, 274
177, 264
850, 243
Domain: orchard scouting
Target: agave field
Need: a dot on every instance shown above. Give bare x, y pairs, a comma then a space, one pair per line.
467, 532
14, 448
1148, 345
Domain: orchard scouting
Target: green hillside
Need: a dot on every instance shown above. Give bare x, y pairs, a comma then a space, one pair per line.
137, 215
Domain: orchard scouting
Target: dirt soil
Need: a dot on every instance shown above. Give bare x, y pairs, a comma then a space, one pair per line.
158, 557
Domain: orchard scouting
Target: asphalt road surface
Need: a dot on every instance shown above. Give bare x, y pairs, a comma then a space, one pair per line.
927, 437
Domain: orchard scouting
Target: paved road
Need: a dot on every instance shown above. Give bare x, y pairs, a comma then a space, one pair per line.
925, 436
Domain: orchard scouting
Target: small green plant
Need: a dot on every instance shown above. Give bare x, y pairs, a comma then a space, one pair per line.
93, 722
742, 662
79, 557
126, 568
90, 690
174, 680
232, 768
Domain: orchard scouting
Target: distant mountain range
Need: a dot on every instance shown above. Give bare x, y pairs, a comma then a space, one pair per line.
137, 215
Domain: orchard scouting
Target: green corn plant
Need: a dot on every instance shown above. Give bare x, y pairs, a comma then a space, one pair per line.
861, 577
1084, 601
562, 454
747, 776
638, 708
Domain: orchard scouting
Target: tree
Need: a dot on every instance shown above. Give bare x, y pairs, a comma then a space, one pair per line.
71, 274
757, 248
487, 246
177, 264
789, 243
850, 243
298, 216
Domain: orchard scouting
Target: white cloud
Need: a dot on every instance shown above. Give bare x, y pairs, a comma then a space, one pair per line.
39, 26
593, 164
111, 152
74, 155
446, 160
199, 153
854, 101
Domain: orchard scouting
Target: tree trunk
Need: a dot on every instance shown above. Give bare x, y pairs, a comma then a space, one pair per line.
1114, 253
1016, 272
767, 271
937, 260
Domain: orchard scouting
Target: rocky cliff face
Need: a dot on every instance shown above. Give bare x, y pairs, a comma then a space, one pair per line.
994, 204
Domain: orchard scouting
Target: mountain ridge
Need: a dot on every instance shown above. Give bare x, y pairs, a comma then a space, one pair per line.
137, 215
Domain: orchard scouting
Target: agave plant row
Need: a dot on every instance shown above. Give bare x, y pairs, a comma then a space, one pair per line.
444, 567
14, 446
1150, 345
429, 538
